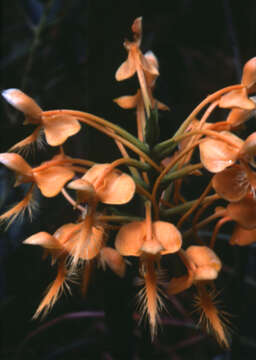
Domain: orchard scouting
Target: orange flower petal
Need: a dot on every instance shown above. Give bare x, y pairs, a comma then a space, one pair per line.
71, 235
237, 99
205, 273
130, 238
95, 243
151, 76
127, 69
243, 237
151, 246
249, 75
203, 256
152, 59
24, 103
92, 244
216, 155
115, 188
168, 236
114, 260
239, 116
66, 231
43, 239
231, 184
85, 190
248, 150
243, 212
137, 29
127, 102
16, 163
149, 66
58, 128
207, 262
51, 180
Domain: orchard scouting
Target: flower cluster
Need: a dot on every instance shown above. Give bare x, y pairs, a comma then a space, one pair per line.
155, 173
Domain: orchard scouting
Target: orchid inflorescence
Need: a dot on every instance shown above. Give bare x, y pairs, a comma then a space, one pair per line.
157, 171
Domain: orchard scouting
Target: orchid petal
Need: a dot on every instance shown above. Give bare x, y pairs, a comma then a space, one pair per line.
51, 180
24, 103
115, 188
249, 75
43, 239
114, 260
243, 212
237, 99
16, 163
58, 128
127, 102
130, 238
231, 184
127, 69
216, 155
239, 116
168, 236
206, 261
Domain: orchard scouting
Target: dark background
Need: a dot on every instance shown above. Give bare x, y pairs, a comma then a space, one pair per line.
69, 61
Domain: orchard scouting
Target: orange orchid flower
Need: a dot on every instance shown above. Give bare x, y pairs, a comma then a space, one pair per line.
237, 116
232, 181
104, 183
243, 107
80, 241
137, 62
149, 240
202, 265
217, 155
57, 128
137, 100
132, 101
239, 98
243, 212
49, 177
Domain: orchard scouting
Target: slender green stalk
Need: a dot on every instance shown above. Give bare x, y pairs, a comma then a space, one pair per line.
119, 218
139, 164
180, 173
183, 207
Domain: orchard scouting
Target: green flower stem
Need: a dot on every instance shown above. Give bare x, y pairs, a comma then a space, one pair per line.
180, 173
164, 147
183, 207
138, 180
119, 218
139, 164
